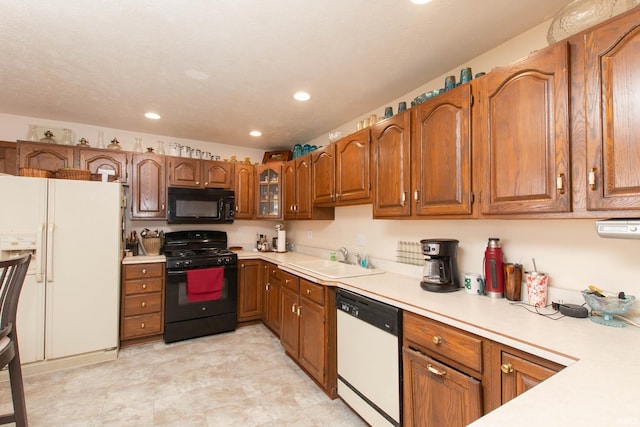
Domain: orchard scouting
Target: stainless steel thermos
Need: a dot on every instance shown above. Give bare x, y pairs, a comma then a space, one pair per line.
494, 269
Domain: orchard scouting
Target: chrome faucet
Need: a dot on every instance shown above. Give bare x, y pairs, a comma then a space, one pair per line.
345, 254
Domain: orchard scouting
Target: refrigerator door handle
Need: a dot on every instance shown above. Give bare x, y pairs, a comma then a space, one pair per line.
50, 229
40, 253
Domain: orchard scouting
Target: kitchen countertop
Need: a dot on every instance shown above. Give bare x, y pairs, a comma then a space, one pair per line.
599, 386
143, 259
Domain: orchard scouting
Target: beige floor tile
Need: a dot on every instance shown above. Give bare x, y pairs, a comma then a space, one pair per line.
242, 378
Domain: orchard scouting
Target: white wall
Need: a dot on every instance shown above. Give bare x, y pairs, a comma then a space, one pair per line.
570, 251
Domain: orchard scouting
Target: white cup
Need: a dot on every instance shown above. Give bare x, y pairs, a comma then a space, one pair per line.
474, 284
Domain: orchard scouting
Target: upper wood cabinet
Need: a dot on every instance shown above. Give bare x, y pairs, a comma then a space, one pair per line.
323, 171
245, 191
522, 132
441, 154
148, 188
8, 158
96, 159
296, 176
268, 192
391, 166
50, 157
612, 100
197, 173
353, 182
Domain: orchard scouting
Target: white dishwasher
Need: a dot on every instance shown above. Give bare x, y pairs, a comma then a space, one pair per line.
369, 364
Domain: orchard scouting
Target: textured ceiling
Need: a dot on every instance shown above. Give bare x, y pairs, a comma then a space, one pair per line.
216, 69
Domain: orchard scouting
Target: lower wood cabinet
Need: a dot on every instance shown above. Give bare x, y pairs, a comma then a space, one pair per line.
250, 290
436, 394
442, 374
142, 307
513, 372
308, 329
271, 313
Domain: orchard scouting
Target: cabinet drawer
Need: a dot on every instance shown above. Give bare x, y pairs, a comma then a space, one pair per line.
139, 271
143, 286
288, 280
142, 304
312, 291
447, 341
137, 326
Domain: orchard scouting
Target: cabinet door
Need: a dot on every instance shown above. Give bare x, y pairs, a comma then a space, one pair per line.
148, 189
437, 395
8, 158
245, 191
273, 313
523, 131
353, 182
613, 114
313, 339
303, 187
217, 174
44, 156
390, 166
96, 159
520, 375
289, 189
290, 326
441, 141
184, 172
268, 194
249, 290
324, 175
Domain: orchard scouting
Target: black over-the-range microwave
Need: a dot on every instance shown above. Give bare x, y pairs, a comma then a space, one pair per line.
200, 206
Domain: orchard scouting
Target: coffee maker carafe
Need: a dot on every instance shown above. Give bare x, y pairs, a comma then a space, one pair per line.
440, 272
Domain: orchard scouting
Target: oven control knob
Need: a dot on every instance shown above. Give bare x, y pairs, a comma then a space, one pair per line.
219, 261
187, 263
178, 263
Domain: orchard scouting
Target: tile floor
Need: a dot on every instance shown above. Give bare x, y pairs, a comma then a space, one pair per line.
241, 378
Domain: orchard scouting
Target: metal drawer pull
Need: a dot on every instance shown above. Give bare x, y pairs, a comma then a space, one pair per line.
437, 339
404, 198
308, 291
144, 271
142, 325
143, 305
299, 311
144, 286
293, 308
507, 368
436, 371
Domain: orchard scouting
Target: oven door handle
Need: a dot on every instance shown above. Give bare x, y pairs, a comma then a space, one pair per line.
179, 272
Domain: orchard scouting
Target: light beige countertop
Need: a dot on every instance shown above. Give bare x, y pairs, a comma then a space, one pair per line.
143, 259
600, 386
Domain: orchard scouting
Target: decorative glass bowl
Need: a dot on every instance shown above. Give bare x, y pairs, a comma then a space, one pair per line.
608, 306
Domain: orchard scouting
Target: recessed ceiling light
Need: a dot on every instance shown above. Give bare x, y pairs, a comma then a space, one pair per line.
152, 116
255, 133
420, 1
301, 96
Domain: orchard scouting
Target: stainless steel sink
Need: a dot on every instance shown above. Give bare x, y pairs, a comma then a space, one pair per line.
334, 269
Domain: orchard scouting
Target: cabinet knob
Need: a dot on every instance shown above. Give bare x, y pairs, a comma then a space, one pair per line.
142, 325
266, 287
298, 311
144, 271
162, 206
206, 184
197, 182
143, 304
308, 291
437, 339
241, 265
416, 195
293, 307
436, 371
507, 368
237, 208
404, 198
144, 286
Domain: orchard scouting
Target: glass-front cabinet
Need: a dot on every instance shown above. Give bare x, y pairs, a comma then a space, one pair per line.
269, 179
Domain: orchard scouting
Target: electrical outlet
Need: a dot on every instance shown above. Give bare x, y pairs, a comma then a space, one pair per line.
309, 234
361, 240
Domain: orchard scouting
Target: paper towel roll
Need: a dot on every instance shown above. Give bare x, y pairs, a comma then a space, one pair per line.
282, 241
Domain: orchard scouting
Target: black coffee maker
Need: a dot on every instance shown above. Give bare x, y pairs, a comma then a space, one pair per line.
440, 272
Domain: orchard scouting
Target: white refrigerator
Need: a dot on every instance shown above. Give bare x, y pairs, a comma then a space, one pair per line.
69, 304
